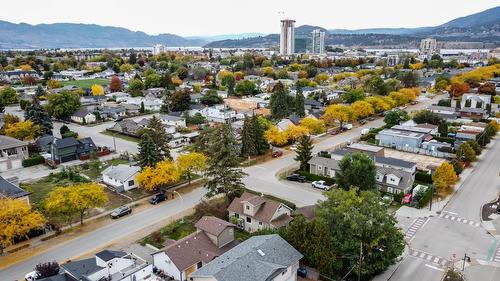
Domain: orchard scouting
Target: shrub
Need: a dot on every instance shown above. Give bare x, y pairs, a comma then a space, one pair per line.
445, 149
423, 177
313, 177
34, 159
425, 198
444, 139
70, 134
398, 198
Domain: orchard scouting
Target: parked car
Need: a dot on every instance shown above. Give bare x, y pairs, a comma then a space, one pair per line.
277, 153
120, 212
407, 198
362, 122
335, 132
320, 185
293, 147
371, 118
295, 177
157, 198
31, 276
302, 272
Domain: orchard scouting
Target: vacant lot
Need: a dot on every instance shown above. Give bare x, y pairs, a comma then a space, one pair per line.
86, 83
423, 161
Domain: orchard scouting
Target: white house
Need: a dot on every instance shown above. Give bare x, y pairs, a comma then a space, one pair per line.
121, 177
175, 121
83, 116
219, 114
12, 153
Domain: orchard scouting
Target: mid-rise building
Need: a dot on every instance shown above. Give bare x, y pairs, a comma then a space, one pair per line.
428, 46
317, 41
159, 49
287, 37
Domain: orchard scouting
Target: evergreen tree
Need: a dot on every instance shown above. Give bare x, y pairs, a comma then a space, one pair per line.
142, 109
299, 104
261, 144
252, 138
39, 116
160, 137
165, 106
223, 172
304, 152
39, 91
149, 154
279, 102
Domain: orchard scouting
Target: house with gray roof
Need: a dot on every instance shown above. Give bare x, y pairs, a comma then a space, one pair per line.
84, 115
12, 153
9, 190
127, 127
264, 257
121, 177
253, 212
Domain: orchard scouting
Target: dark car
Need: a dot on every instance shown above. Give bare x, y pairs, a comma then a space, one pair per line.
120, 212
371, 118
277, 154
157, 198
302, 272
295, 177
362, 122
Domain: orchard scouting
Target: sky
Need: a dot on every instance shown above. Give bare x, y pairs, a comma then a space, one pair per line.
215, 17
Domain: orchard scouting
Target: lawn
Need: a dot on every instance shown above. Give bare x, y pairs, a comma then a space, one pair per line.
86, 83
176, 230
94, 174
121, 136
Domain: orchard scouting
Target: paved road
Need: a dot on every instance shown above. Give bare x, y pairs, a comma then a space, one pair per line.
101, 237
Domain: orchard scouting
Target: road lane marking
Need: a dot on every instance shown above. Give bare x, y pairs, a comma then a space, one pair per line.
434, 267
453, 213
459, 219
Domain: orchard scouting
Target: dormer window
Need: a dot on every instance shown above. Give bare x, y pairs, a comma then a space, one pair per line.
247, 207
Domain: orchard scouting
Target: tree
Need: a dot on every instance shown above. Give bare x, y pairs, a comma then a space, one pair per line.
196, 119
149, 154
181, 101
191, 163
17, 219
353, 95
299, 104
63, 104
466, 153
409, 79
159, 136
132, 59
182, 72
166, 81
245, 87
97, 90
443, 128
75, 199
35, 113
223, 170
142, 109
7, 96
252, 137
39, 91
444, 177
304, 152
378, 103
362, 109
357, 220
279, 102
475, 146
356, 169
161, 175
23, 130
153, 80
227, 79
487, 89
135, 87
457, 89
313, 125
199, 73
377, 86
427, 116
116, 84
211, 98
275, 137
46, 269
339, 113
395, 117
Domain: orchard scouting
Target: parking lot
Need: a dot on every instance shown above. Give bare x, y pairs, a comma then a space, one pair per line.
423, 161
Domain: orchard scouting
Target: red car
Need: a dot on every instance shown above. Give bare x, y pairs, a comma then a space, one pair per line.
277, 153
407, 198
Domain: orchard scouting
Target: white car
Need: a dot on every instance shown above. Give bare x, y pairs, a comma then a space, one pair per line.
293, 147
320, 185
32, 276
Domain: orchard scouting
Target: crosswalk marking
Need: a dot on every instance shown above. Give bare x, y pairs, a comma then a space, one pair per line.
459, 219
496, 255
414, 227
437, 260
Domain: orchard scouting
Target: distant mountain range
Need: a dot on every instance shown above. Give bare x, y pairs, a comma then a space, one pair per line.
477, 30
483, 27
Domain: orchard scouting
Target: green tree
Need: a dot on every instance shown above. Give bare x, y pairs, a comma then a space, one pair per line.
354, 95
7, 96
153, 81
160, 137
466, 153
229, 82
409, 79
395, 117
182, 72
181, 101
166, 81
63, 104
279, 102
304, 152
135, 87
299, 104
427, 116
245, 87
475, 146
149, 154
39, 116
211, 98
443, 128
356, 169
39, 91
252, 137
223, 170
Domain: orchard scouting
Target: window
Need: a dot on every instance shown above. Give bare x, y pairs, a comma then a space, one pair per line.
320, 168
247, 207
199, 265
249, 219
236, 215
131, 182
260, 223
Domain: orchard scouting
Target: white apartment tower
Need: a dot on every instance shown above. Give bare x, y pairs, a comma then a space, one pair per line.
287, 37
318, 41
159, 49
428, 46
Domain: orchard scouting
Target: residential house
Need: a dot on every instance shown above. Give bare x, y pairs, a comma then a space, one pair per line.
121, 177
69, 149
10, 190
400, 139
126, 127
474, 106
114, 112
254, 212
174, 121
264, 257
84, 115
284, 123
178, 259
312, 105
118, 96
12, 153
44, 143
106, 265
219, 114
445, 112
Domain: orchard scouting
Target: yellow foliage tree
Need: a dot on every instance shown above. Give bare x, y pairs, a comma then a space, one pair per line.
275, 137
267, 70
163, 174
78, 199
191, 163
362, 108
478, 74
313, 125
16, 220
26, 67
126, 67
321, 77
23, 130
399, 98
378, 103
444, 177
176, 80
197, 88
417, 66
293, 133
223, 74
338, 112
97, 90
53, 84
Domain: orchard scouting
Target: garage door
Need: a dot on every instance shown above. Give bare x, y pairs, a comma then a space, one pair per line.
68, 158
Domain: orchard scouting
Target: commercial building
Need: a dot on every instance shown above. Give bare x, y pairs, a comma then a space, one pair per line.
287, 37
159, 49
428, 46
317, 41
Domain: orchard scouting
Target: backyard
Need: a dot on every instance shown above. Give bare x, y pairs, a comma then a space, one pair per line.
85, 83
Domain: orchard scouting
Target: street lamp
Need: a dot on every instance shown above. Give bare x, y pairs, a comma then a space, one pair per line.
182, 203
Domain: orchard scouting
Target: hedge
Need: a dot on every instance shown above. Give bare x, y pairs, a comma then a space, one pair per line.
313, 177
444, 139
35, 159
423, 177
425, 199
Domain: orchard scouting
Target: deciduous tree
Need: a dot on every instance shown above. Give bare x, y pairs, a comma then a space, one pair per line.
444, 177
97, 90
395, 117
23, 130
116, 84
63, 104
181, 101
362, 109
338, 112
190, 163
313, 125
162, 174
356, 169
466, 153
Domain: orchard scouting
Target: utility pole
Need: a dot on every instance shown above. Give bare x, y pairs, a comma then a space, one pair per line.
432, 197
360, 259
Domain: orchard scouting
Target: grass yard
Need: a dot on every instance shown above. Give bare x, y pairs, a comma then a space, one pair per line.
175, 231
86, 83
121, 136
93, 174
39, 189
